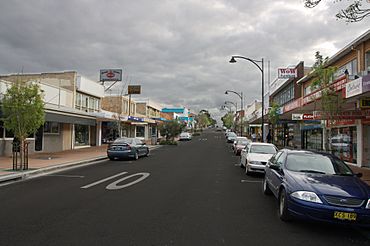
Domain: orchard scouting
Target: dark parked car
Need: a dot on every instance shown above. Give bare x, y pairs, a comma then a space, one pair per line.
127, 148
317, 186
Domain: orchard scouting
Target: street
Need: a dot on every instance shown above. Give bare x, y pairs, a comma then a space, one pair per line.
190, 194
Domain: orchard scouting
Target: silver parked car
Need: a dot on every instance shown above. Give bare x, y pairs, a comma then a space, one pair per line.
255, 156
127, 148
230, 137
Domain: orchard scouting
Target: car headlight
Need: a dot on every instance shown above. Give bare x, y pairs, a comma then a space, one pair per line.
254, 162
368, 204
306, 196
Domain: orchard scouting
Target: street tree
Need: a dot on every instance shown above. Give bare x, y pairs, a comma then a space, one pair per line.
274, 116
331, 101
171, 129
354, 12
23, 110
204, 119
228, 120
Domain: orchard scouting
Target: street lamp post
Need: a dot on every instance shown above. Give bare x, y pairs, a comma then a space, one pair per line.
241, 108
261, 69
234, 104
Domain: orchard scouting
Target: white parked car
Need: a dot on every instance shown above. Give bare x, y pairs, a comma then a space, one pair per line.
185, 136
255, 156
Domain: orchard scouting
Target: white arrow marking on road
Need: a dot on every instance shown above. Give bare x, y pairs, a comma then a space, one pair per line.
250, 181
114, 186
65, 176
103, 180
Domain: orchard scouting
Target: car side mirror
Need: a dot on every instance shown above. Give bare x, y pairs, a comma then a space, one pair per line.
359, 175
275, 167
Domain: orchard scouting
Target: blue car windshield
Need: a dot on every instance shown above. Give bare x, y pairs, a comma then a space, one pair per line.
315, 163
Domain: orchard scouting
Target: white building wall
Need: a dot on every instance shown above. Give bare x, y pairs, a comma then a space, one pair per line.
90, 87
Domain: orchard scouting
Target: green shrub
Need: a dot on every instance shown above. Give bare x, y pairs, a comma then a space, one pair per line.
168, 142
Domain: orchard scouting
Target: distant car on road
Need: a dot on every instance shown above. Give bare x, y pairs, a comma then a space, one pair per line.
255, 156
127, 148
185, 136
317, 186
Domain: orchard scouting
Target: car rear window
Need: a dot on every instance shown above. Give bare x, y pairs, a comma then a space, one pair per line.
123, 140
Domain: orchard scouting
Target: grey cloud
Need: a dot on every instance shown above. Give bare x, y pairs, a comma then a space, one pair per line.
177, 50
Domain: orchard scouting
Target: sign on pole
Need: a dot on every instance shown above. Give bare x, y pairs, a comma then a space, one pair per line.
286, 73
134, 89
110, 75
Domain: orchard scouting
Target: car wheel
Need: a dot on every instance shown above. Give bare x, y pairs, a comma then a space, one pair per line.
283, 208
111, 158
265, 187
136, 156
246, 169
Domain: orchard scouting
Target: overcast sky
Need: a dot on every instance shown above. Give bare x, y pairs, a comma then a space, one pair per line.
177, 50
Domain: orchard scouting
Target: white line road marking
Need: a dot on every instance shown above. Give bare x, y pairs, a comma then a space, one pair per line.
250, 181
114, 186
103, 180
65, 176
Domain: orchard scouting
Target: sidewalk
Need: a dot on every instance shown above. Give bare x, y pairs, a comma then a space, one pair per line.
46, 162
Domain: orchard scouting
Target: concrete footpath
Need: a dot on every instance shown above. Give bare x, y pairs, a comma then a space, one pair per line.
47, 162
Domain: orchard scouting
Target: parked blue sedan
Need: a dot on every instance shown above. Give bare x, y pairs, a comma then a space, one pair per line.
316, 186
127, 148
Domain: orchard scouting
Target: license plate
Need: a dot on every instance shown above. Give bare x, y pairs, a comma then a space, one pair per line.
345, 216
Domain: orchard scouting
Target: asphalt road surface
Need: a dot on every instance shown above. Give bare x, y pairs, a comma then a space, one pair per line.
190, 194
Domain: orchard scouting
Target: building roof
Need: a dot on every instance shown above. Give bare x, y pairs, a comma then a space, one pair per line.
173, 110
341, 53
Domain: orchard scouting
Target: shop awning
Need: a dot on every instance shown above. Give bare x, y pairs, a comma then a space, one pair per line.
71, 119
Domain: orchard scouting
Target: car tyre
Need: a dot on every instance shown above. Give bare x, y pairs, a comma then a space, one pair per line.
265, 187
147, 153
136, 156
246, 170
283, 207
111, 158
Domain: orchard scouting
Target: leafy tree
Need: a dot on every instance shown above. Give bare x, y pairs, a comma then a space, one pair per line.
204, 119
171, 129
23, 110
331, 101
228, 120
274, 116
353, 13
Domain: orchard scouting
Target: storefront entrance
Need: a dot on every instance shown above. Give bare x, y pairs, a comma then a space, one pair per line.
312, 139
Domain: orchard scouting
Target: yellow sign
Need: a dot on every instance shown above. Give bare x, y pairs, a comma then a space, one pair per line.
365, 103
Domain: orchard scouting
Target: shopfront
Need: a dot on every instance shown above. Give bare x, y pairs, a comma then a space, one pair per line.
366, 142
312, 137
82, 135
343, 140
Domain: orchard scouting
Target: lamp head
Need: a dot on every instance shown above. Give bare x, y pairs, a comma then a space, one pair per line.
226, 92
232, 60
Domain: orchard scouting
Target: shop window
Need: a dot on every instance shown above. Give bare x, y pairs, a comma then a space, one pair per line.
367, 61
350, 68
51, 127
81, 135
140, 131
343, 143
9, 134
